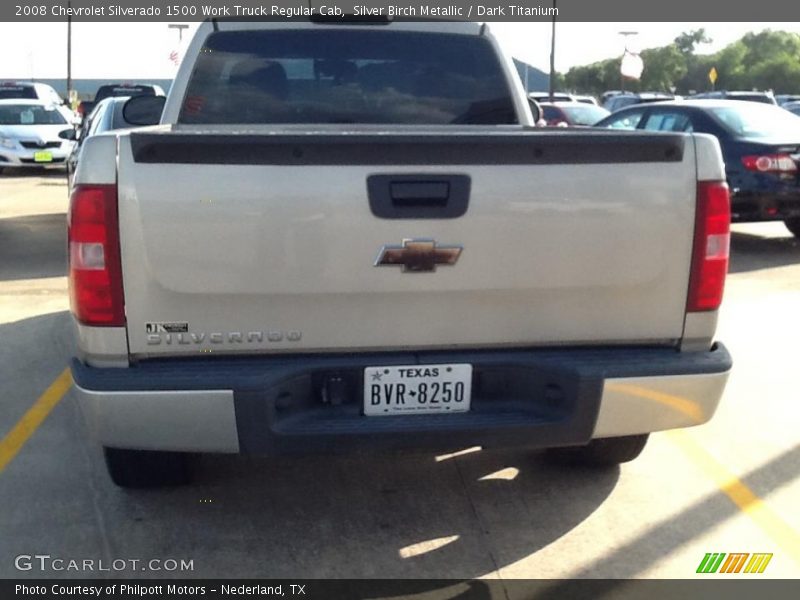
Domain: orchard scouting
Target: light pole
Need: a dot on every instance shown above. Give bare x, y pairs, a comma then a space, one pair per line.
553, 54
180, 27
625, 35
69, 53
174, 56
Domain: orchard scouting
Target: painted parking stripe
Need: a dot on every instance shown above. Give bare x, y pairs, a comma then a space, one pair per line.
741, 495
13, 442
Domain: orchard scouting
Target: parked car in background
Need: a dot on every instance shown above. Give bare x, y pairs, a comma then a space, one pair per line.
119, 89
586, 100
753, 96
782, 99
29, 133
572, 114
29, 90
623, 99
562, 97
760, 146
792, 107
557, 97
608, 94
106, 116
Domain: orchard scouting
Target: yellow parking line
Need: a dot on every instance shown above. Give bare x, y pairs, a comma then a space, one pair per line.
741, 495
30, 421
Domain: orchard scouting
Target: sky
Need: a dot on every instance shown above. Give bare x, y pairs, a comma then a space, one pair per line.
142, 50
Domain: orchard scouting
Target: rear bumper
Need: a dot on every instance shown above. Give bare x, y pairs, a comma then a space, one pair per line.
765, 206
273, 405
23, 158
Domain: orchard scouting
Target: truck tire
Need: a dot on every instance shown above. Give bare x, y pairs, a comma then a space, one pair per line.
147, 468
602, 452
793, 225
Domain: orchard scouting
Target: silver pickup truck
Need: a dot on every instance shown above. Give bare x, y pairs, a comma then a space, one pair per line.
349, 237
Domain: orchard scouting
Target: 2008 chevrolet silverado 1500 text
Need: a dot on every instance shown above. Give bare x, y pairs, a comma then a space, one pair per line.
348, 236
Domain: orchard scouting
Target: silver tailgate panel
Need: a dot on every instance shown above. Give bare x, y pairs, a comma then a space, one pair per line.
553, 254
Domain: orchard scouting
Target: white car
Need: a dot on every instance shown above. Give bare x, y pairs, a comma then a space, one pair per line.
29, 134
29, 90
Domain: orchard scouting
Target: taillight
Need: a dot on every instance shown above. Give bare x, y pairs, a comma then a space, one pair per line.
95, 268
770, 163
81, 109
711, 246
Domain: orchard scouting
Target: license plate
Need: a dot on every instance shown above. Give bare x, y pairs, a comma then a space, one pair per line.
43, 156
415, 389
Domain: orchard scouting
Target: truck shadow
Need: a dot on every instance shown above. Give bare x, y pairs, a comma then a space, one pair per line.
386, 516
33, 247
751, 252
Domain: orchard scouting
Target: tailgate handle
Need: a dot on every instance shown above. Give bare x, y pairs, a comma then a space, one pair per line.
418, 196
419, 193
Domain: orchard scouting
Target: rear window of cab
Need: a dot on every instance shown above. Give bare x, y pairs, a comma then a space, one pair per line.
347, 76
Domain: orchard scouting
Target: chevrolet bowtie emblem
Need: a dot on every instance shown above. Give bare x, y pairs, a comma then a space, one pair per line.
418, 256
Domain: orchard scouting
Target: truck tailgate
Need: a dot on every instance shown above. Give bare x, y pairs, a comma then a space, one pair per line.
267, 242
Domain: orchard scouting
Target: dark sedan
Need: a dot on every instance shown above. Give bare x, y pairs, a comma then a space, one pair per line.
760, 146
792, 107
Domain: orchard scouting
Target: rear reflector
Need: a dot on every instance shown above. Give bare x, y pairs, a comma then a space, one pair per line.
711, 246
95, 269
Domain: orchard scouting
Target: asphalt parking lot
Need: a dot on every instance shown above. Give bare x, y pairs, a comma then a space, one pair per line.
731, 485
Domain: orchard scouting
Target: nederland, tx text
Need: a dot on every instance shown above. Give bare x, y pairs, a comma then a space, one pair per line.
143, 591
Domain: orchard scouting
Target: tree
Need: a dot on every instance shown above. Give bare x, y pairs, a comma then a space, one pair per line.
768, 60
729, 63
686, 43
696, 79
764, 60
688, 40
781, 73
594, 78
767, 45
663, 68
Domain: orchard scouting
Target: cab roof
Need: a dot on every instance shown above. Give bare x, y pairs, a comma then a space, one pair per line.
433, 26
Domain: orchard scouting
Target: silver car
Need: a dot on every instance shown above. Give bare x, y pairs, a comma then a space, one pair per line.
29, 134
106, 116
